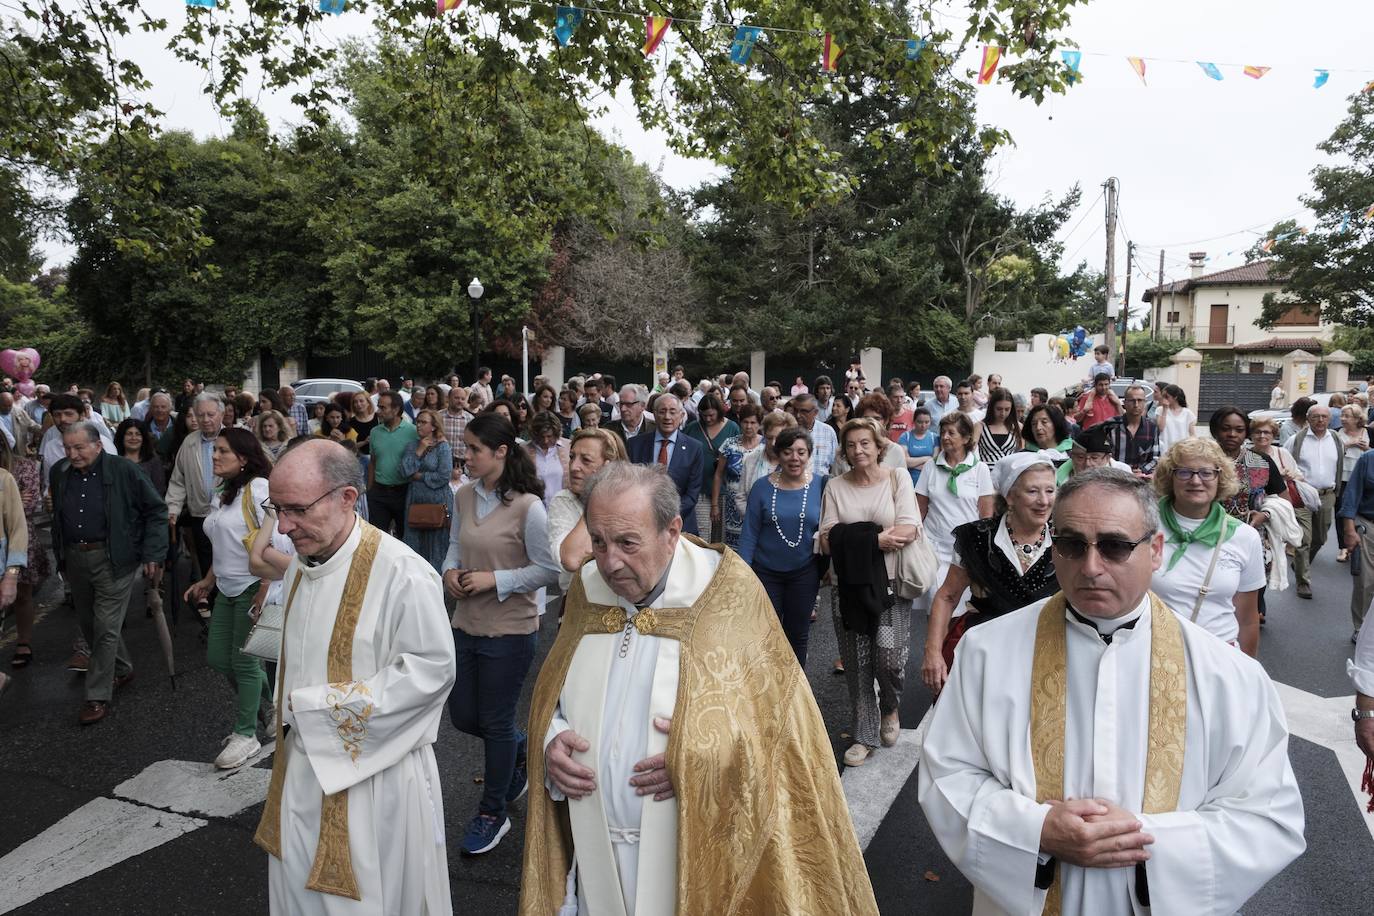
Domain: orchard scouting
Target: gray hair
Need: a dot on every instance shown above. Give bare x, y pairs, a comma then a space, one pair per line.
206, 397
1136, 386
340, 468
943, 378
640, 393
160, 394
84, 426
1116, 481
650, 479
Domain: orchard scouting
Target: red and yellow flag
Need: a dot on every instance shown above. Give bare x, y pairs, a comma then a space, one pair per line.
1255, 72
1368, 87
446, 6
831, 53
989, 68
1369, 214
655, 27
1138, 65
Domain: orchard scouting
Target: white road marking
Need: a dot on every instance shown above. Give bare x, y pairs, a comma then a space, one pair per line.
106, 831
1326, 721
870, 790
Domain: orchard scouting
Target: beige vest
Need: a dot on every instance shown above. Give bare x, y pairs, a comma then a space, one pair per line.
492, 543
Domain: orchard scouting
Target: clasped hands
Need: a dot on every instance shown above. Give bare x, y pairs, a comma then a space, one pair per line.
1093, 833
464, 583
576, 781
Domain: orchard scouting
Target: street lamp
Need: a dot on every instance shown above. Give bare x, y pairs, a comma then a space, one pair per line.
475, 290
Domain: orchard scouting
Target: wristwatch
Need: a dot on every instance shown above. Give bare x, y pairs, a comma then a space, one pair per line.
1358, 714
13, 570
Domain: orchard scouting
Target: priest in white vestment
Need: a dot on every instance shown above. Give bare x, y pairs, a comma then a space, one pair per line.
1096, 754
686, 767
354, 817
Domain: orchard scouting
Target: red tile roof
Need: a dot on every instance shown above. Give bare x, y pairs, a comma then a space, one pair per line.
1282, 344
1256, 273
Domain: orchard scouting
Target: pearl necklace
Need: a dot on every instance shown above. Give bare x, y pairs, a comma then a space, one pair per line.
1028, 550
801, 525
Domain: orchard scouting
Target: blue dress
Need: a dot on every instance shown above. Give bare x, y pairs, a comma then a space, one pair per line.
435, 467
732, 497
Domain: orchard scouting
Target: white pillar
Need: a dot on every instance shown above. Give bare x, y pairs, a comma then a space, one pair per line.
756, 377
551, 366
871, 359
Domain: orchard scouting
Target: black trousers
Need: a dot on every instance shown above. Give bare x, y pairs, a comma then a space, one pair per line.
386, 508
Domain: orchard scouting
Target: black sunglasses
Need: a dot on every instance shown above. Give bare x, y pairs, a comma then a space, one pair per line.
1113, 550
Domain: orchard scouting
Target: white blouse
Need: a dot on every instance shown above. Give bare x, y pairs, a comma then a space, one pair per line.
226, 529
947, 511
1240, 568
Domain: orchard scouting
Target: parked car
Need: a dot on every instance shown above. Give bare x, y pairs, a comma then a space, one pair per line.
1323, 398
312, 391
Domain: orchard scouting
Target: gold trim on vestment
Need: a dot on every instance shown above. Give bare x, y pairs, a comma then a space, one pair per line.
332, 870
1049, 710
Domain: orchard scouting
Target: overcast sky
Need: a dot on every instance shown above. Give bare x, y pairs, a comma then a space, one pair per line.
1199, 161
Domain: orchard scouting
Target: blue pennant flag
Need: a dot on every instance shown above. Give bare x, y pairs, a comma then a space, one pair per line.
1072, 59
567, 21
743, 46
1322, 77
1345, 222
209, 4
1210, 69
914, 47
332, 6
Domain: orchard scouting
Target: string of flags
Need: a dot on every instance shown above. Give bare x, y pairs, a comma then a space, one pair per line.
1267, 245
746, 37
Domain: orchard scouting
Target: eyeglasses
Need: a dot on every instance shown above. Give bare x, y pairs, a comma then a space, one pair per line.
1113, 550
624, 404
1207, 475
296, 511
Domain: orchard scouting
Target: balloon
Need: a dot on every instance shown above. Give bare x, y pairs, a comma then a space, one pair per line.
21, 364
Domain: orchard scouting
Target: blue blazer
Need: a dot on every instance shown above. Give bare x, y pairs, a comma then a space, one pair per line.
686, 468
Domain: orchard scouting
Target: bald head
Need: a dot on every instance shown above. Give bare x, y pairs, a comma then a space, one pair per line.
316, 485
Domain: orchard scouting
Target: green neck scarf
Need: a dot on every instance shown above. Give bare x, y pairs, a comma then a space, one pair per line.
1217, 525
969, 461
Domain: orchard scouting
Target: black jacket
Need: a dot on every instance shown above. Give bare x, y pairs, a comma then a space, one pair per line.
861, 572
135, 515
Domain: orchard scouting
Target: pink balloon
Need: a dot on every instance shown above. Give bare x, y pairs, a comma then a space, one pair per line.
21, 364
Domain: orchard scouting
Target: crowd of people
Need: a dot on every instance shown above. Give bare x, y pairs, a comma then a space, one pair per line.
832, 490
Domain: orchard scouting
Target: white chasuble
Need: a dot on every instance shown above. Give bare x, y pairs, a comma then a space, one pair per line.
1239, 818
625, 845
369, 737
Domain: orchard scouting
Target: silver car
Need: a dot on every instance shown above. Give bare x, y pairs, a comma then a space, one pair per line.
312, 391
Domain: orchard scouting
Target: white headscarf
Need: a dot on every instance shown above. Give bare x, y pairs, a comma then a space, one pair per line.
1010, 468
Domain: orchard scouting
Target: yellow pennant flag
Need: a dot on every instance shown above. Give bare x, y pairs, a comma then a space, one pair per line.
831, 53
1138, 65
989, 68
1255, 72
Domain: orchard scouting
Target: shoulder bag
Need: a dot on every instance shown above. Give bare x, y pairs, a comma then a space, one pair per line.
427, 516
917, 566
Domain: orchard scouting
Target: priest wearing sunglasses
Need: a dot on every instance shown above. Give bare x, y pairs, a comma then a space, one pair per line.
1097, 753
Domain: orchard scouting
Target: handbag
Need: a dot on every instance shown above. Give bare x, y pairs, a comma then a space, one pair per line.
1311, 499
264, 640
427, 516
249, 517
917, 566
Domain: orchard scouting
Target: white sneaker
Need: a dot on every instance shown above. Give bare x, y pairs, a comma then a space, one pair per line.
237, 751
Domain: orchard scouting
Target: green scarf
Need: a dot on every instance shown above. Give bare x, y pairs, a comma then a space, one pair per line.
970, 460
1217, 525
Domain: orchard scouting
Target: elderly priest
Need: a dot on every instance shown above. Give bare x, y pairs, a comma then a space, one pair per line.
1096, 754
686, 768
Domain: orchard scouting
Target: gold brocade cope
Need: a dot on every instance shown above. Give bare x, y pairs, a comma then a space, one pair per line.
762, 823
1168, 713
332, 870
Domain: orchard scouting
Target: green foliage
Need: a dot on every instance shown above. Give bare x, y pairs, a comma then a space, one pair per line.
1359, 343
29, 317
1143, 353
1333, 264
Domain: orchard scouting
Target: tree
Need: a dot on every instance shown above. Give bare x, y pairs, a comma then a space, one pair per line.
1332, 264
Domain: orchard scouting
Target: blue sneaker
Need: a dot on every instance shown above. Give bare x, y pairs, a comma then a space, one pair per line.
519, 783
484, 832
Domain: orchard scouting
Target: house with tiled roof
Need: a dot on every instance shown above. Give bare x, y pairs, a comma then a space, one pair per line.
1220, 312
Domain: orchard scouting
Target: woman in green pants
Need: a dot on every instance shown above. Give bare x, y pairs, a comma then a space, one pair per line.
237, 517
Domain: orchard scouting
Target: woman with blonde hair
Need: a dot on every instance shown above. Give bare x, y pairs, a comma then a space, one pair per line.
1213, 566
1355, 437
114, 407
271, 429
590, 451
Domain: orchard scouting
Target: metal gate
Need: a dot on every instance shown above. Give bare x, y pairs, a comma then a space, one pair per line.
1246, 390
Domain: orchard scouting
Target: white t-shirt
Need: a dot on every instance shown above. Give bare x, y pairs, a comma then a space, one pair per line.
276, 592
565, 511
1240, 568
226, 529
1174, 427
947, 510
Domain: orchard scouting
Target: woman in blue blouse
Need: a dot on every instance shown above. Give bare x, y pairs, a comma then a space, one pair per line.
428, 463
780, 524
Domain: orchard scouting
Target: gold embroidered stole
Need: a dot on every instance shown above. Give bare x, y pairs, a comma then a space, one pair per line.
1168, 713
332, 871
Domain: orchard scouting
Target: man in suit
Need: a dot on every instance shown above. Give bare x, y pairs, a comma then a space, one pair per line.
683, 456
632, 421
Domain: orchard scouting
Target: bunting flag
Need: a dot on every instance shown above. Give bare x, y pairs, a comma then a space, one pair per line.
1369, 214
333, 7
1368, 87
1255, 72
1345, 222
208, 4
1210, 69
742, 48
1072, 60
446, 6
1138, 65
1267, 246
566, 21
914, 47
1322, 77
831, 52
989, 67
655, 27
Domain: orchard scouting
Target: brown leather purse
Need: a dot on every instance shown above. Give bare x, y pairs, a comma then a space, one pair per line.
427, 517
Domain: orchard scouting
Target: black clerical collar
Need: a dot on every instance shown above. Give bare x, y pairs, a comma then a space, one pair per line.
657, 591
1105, 637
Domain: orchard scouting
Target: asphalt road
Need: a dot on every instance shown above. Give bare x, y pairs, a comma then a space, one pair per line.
73, 828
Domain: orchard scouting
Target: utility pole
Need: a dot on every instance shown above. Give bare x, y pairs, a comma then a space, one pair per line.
1159, 300
1111, 186
1126, 308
